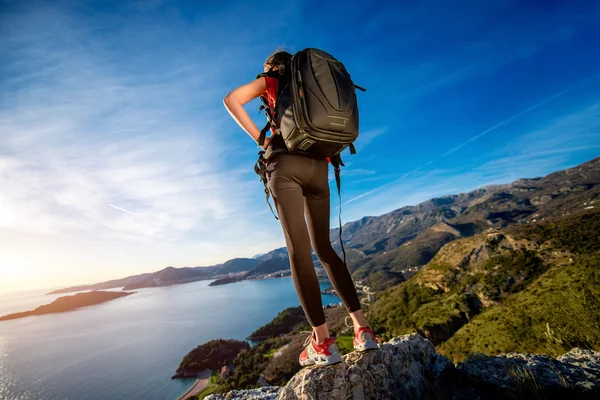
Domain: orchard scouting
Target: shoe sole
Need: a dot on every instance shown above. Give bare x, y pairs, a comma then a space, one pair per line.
366, 346
323, 360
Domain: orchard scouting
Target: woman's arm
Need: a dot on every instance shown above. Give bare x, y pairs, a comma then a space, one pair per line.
235, 100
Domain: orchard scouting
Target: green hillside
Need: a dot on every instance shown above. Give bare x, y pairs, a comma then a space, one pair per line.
527, 288
557, 312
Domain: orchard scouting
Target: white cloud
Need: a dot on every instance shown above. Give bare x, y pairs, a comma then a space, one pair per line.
112, 159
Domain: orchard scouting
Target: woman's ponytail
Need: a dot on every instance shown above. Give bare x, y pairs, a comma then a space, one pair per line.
280, 59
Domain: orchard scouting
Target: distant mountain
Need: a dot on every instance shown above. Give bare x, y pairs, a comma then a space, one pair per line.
412, 235
273, 254
272, 265
388, 249
237, 265
115, 283
174, 276
171, 276
69, 303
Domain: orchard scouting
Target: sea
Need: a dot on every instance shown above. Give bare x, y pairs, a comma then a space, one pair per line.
130, 347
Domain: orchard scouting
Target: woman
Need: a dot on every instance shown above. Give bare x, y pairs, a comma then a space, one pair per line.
299, 184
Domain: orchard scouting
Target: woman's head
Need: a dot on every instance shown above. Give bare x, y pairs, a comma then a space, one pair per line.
277, 59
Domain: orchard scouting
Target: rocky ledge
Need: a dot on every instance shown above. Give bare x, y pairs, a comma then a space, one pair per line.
408, 367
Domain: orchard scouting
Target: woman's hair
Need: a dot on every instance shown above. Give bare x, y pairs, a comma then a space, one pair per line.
279, 58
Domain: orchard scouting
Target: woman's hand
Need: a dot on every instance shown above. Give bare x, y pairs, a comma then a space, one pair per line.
267, 141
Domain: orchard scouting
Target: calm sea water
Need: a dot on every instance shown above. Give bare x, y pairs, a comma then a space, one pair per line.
130, 347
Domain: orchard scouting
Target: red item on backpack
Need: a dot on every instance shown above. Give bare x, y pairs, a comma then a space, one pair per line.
272, 86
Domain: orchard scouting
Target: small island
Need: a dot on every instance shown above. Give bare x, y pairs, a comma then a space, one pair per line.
69, 303
224, 281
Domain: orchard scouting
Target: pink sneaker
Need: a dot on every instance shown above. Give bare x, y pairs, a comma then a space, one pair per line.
324, 353
364, 338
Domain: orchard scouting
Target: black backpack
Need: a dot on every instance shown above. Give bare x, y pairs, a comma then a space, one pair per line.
316, 112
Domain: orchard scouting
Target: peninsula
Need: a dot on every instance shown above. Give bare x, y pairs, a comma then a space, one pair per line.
69, 303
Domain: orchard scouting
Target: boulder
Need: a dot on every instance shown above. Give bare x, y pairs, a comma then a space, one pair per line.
408, 367
404, 367
576, 374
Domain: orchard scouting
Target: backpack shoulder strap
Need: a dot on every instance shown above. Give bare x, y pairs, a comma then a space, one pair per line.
336, 161
260, 169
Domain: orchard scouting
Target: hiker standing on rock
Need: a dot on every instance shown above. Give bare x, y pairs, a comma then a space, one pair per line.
295, 168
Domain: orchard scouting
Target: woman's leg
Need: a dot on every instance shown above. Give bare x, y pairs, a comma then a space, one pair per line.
317, 212
286, 174
358, 319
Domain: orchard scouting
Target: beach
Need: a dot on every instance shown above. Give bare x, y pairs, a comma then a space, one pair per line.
201, 382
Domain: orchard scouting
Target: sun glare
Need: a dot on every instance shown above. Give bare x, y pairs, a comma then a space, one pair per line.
10, 269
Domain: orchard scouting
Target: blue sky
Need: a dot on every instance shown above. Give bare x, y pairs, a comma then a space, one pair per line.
117, 156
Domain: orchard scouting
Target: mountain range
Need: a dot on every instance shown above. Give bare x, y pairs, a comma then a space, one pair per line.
388, 249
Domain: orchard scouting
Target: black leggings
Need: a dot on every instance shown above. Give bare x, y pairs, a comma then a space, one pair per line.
298, 184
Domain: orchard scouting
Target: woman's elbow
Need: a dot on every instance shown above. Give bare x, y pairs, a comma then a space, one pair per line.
228, 100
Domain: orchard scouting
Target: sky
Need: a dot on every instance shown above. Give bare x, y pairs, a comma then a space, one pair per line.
117, 156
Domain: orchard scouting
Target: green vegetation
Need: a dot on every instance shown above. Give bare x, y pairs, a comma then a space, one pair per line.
383, 278
392, 313
383, 270
270, 353
212, 354
224, 281
510, 273
210, 389
302, 326
250, 366
557, 312
283, 323
536, 290
345, 343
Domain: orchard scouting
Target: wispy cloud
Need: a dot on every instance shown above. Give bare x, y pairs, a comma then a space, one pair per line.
544, 141
534, 152
116, 152
99, 149
366, 137
509, 120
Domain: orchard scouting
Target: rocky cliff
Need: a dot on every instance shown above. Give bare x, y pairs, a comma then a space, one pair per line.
408, 367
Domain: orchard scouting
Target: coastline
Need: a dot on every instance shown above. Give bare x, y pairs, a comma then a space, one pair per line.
199, 384
69, 303
139, 309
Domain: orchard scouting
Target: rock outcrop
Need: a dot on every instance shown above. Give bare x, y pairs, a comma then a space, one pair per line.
575, 374
263, 393
408, 367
